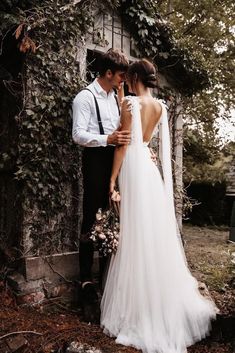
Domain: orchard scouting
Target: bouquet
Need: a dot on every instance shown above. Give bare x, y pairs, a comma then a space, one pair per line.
105, 231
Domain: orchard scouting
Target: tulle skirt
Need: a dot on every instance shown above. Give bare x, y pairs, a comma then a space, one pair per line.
151, 301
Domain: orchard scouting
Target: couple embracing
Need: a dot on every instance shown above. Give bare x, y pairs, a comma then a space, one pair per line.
150, 299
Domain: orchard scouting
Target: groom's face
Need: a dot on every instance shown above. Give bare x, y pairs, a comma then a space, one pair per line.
116, 79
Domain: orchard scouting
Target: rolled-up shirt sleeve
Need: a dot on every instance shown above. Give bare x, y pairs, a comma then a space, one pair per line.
81, 118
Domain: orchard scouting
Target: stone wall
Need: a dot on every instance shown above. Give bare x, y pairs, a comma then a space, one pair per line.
49, 244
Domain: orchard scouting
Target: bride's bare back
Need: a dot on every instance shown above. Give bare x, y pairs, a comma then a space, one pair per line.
150, 115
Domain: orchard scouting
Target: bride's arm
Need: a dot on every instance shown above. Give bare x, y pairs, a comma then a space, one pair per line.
120, 94
120, 151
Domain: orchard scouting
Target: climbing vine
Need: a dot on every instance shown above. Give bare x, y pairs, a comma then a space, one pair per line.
48, 162
47, 158
155, 39
47, 35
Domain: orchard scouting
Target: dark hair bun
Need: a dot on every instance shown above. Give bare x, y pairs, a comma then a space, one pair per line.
145, 71
150, 81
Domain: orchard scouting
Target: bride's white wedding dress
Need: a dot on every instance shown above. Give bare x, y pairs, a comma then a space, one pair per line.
150, 300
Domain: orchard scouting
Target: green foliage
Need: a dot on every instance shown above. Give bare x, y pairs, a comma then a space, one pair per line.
206, 28
154, 39
143, 16
229, 149
47, 157
48, 33
204, 158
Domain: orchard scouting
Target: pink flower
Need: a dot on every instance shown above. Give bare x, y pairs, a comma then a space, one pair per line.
102, 236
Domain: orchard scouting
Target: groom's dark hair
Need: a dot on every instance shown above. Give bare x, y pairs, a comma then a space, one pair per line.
113, 60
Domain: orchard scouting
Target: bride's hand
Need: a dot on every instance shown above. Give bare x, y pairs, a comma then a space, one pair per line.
120, 93
115, 198
114, 195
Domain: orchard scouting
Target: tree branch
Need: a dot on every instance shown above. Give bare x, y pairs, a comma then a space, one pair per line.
19, 332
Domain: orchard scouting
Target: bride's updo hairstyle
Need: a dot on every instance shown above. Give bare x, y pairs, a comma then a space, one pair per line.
144, 71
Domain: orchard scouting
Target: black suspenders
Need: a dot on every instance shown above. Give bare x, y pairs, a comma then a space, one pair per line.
117, 103
98, 111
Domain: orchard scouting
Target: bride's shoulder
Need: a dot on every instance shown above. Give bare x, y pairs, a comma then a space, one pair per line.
128, 102
129, 98
158, 104
161, 102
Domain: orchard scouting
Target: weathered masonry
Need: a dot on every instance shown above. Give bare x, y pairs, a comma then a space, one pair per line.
40, 176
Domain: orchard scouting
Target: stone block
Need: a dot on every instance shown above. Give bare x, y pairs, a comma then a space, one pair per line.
53, 267
19, 284
38, 291
54, 276
16, 343
59, 290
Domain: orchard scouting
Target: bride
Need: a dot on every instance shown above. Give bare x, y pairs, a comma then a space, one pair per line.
150, 301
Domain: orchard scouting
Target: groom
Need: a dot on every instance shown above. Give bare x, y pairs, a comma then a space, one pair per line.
96, 119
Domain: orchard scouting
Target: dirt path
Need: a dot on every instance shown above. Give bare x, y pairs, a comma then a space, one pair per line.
209, 257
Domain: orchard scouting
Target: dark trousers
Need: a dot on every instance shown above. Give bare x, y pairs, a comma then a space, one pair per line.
96, 168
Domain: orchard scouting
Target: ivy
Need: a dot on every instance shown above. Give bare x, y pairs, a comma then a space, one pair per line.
155, 40
47, 156
47, 160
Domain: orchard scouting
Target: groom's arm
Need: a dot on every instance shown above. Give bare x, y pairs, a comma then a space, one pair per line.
81, 117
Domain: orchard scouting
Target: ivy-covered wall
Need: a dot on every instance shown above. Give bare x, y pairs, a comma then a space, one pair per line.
46, 162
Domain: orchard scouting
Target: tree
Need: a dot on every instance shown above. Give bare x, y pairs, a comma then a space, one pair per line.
204, 159
206, 29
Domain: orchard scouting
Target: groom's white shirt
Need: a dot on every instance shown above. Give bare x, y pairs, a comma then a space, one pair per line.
85, 125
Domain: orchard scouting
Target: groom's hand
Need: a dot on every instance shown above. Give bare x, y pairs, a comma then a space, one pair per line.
119, 138
153, 156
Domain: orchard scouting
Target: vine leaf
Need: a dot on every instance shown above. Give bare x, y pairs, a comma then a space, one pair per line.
27, 44
19, 30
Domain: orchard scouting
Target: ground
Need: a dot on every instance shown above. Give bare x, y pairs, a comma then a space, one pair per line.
55, 325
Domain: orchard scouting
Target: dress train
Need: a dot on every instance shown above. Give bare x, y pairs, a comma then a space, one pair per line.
151, 301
